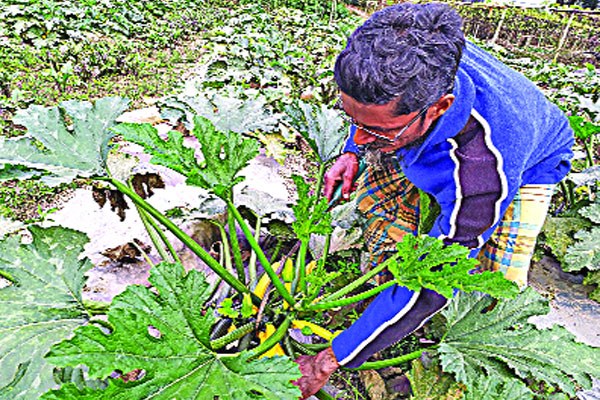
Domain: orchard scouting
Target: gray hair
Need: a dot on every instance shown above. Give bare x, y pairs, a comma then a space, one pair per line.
406, 52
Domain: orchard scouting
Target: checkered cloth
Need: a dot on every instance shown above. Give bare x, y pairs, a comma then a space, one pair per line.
390, 204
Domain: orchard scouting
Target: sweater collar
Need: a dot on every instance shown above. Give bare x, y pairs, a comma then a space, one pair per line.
449, 124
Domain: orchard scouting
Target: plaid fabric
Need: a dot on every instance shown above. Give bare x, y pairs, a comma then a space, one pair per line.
511, 246
390, 204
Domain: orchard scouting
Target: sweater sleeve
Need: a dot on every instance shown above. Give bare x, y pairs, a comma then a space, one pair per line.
350, 146
480, 188
398, 311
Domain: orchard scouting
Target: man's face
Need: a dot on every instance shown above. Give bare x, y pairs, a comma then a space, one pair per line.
376, 122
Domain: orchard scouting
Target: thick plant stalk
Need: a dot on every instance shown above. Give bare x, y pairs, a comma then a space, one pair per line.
300, 276
323, 395
235, 247
302, 349
261, 256
360, 281
153, 235
271, 340
589, 145
390, 362
326, 305
145, 255
181, 235
164, 239
252, 262
232, 336
225, 248
320, 177
326, 248
289, 349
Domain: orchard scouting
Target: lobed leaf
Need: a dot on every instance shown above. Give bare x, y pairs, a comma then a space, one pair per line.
592, 212
585, 252
177, 362
426, 262
226, 113
311, 217
68, 151
494, 388
558, 233
224, 153
322, 127
502, 343
41, 308
429, 383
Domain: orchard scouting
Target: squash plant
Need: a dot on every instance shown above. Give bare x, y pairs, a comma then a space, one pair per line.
169, 336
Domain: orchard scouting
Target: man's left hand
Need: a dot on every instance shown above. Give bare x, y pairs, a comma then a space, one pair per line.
315, 371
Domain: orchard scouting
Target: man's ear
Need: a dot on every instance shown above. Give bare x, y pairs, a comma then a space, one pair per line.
441, 106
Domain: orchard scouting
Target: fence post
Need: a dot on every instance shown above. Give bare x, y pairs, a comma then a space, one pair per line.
563, 38
497, 33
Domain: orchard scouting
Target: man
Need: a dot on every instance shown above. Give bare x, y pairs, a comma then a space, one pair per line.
432, 112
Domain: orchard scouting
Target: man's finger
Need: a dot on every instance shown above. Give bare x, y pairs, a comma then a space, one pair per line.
329, 188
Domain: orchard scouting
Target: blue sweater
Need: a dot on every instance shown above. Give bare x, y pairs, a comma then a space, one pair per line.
500, 134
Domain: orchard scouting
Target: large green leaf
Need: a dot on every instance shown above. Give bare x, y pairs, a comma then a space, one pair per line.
426, 262
69, 151
495, 388
430, 383
8, 172
585, 252
593, 278
177, 360
41, 308
311, 216
558, 233
224, 154
226, 113
592, 212
500, 342
322, 127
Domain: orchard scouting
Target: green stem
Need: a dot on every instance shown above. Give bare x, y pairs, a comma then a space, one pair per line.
163, 238
232, 336
310, 348
300, 277
155, 233
235, 246
349, 300
566, 193
261, 256
588, 150
252, 263
225, 247
151, 232
276, 251
289, 349
320, 177
181, 235
96, 307
360, 281
143, 253
271, 340
323, 395
390, 362
326, 248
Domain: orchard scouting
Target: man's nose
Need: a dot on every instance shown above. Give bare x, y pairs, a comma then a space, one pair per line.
362, 137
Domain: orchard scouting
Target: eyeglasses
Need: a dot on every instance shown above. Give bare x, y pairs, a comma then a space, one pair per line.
340, 108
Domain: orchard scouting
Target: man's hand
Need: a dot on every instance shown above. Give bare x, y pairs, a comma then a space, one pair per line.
344, 169
315, 371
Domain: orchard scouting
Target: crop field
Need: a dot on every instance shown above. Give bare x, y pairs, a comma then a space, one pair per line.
181, 147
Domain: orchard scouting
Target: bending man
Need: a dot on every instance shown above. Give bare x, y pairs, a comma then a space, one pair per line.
433, 112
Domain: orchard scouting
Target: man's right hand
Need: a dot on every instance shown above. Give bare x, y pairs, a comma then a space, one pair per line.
344, 169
